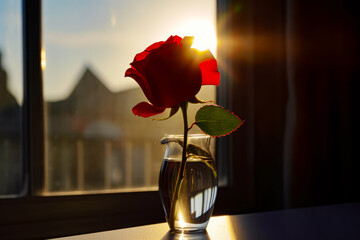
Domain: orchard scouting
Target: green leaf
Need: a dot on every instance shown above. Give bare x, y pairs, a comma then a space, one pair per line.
191, 148
197, 151
217, 121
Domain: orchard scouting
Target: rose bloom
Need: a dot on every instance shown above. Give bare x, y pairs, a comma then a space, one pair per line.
170, 73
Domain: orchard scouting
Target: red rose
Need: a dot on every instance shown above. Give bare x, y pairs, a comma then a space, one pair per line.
170, 73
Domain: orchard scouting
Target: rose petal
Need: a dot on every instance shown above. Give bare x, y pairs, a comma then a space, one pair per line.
209, 72
205, 55
139, 78
141, 66
145, 109
142, 55
173, 39
154, 46
187, 41
173, 76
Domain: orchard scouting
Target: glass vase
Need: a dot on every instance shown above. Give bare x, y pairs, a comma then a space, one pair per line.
197, 189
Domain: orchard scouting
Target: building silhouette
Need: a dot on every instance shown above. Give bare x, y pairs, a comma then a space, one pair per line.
11, 164
94, 142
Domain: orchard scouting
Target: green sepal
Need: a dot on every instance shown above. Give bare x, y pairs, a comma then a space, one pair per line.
195, 100
173, 111
217, 121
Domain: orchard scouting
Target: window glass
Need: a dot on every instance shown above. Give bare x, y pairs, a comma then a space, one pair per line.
12, 174
93, 141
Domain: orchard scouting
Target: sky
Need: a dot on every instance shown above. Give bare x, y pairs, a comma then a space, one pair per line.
11, 45
104, 35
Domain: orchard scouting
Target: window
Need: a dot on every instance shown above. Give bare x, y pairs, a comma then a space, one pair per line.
12, 168
65, 188
93, 142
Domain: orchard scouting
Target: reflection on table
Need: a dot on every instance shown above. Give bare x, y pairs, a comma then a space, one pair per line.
325, 222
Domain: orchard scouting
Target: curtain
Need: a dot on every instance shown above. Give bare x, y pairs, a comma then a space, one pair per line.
321, 157
291, 69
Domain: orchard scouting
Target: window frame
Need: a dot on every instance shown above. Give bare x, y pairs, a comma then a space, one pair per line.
36, 216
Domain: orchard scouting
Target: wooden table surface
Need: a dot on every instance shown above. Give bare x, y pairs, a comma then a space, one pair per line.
325, 222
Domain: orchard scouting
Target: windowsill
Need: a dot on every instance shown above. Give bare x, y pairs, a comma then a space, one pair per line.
324, 222
103, 191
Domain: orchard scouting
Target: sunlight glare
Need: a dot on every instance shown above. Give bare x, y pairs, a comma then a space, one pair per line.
43, 59
181, 221
203, 32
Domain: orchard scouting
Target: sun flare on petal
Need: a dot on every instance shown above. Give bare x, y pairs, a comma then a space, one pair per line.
203, 31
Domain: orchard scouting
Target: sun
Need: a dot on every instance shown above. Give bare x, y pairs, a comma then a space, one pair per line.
203, 32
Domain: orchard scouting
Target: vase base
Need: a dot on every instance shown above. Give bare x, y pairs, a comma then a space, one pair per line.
190, 228
188, 231
176, 235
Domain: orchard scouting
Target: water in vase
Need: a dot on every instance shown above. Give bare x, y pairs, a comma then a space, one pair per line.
197, 193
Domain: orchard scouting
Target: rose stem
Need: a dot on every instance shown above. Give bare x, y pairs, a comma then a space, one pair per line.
180, 176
